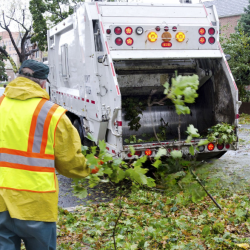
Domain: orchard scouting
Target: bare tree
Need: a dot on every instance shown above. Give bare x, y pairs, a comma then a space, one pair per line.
23, 47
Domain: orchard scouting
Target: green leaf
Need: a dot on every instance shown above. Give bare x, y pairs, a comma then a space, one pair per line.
102, 145
138, 174
140, 161
206, 230
191, 150
157, 163
91, 160
132, 150
176, 154
203, 142
151, 182
90, 137
191, 130
161, 152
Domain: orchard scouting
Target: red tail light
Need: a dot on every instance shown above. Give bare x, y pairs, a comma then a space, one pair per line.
210, 146
211, 40
237, 116
166, 28
211, 31
118, 41
148, 152
108, 31
174, 28
118, 31
129, 41
220, 146
138, 153
227, 146
202, 31
128, 30
157, 28
166, 44
129, 155
202, 40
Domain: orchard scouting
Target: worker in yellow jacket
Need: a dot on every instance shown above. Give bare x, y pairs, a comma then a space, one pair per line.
36, 138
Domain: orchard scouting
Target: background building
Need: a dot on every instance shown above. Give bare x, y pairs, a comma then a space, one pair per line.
229, 12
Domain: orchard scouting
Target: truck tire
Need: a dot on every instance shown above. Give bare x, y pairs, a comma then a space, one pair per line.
84, 141
79, 129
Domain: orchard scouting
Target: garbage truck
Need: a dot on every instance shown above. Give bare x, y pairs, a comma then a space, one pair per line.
109, 58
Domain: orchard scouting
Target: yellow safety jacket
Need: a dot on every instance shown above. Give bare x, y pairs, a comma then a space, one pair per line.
27, 144
36, 137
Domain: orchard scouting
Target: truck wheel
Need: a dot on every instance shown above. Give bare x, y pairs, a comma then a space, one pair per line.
84, 141
79, 129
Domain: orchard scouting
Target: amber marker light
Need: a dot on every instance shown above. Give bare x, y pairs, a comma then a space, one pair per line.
152, 37
180, 37
210, 146
148, 152
166, 37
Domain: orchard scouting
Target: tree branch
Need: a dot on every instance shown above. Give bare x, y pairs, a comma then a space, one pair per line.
17, 22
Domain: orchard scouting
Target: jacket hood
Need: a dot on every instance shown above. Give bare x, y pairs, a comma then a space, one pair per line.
23, 88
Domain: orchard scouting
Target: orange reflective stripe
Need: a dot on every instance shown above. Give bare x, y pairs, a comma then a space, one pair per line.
46, 128
26, 167
57, 125
26, 154
33, 124
1, 98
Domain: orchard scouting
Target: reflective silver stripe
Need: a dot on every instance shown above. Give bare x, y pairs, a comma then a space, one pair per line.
39, 126
37, 162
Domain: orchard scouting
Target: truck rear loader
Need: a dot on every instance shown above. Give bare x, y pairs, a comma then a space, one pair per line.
109, 52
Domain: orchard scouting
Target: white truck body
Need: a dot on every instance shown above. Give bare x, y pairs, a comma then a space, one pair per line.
90, 73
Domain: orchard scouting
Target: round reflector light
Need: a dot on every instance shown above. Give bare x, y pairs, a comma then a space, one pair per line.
129, 41
180, 37
202, 40
129, 155
139, 30
166, 37
210, 146
211, 40
202, 31
157, 28
118, 41
166, 28
211, 31
138, 153
152, 37
148, 152
128, 30
108, 31
227, 146
220, 146
166, 44
118, 30
174, 28
201, 148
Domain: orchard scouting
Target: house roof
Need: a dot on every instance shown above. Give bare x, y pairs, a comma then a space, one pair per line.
228, 7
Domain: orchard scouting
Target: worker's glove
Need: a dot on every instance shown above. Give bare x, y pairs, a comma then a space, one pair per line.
96, 169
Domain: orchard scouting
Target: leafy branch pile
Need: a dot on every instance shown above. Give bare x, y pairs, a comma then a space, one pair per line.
133, 109
221, 133
154, 220
182, 90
